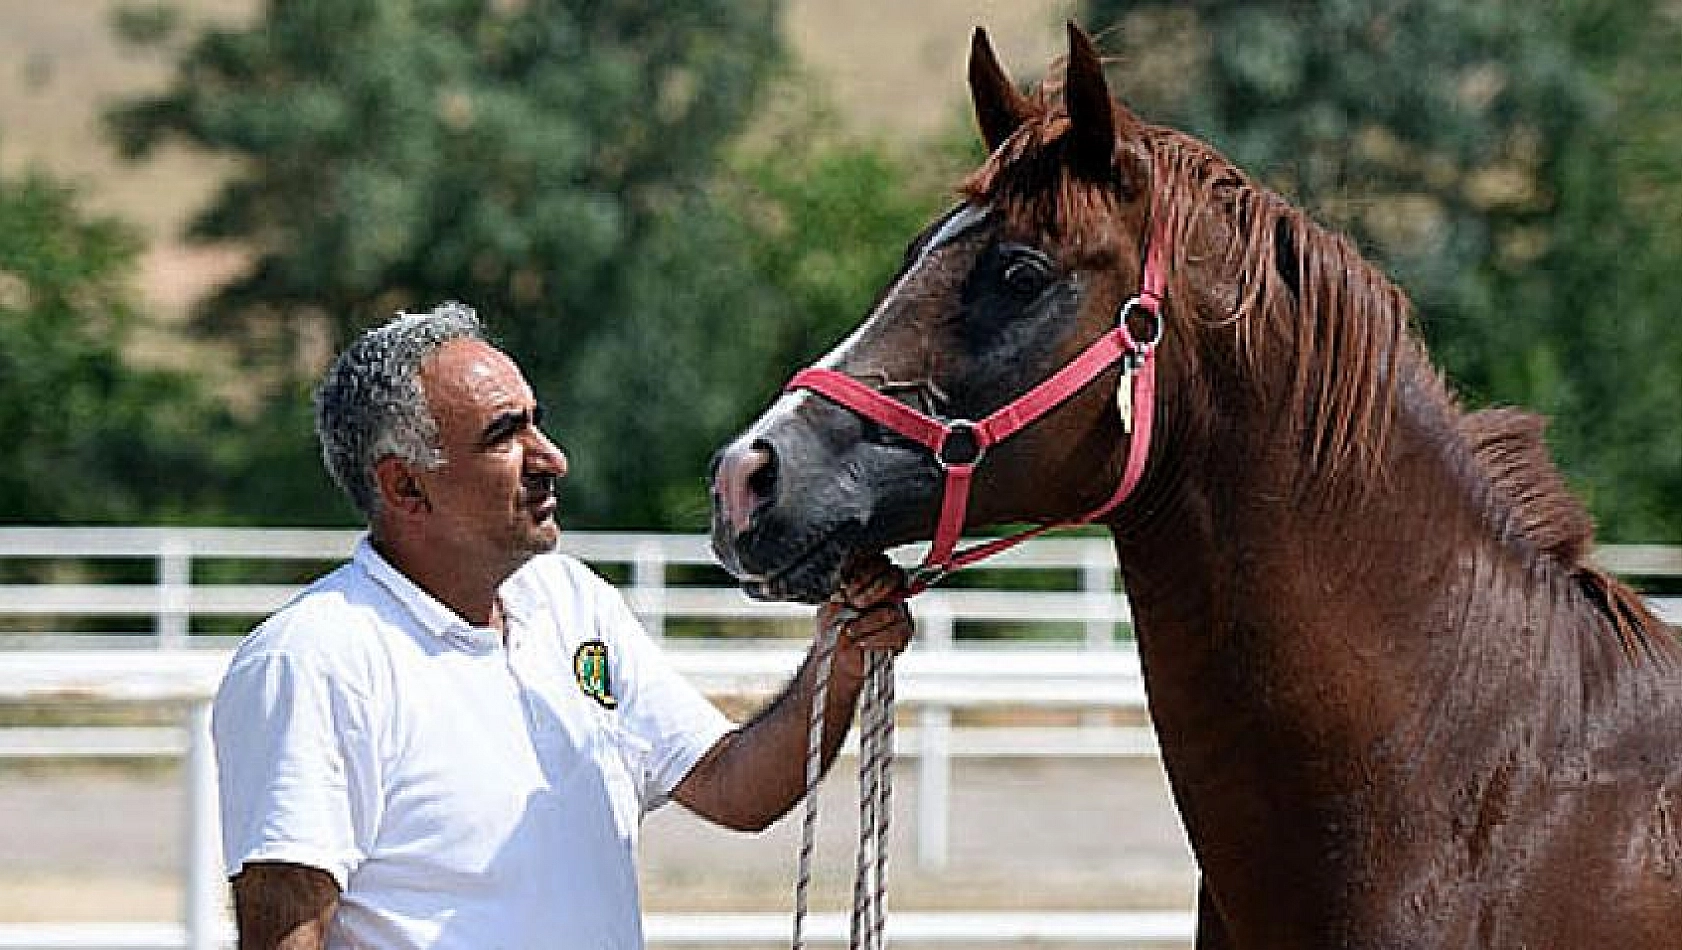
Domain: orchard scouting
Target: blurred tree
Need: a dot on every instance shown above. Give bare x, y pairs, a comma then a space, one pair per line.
520, 155
777, 261
1512, 163
89, 438
570, 169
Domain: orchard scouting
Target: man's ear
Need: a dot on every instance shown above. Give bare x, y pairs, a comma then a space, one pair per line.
401, 491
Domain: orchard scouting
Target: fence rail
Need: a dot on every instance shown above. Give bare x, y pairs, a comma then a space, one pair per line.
175, 596
1096, 672
930, 683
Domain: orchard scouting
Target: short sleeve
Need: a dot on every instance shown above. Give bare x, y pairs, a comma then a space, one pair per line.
292, 764
660, 707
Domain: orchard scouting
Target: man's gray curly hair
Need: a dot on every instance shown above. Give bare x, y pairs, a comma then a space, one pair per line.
370, 404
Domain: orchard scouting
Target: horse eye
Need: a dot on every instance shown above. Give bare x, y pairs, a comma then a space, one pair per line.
1026, 275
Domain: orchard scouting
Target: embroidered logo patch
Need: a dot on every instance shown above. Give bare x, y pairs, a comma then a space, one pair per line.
589, 664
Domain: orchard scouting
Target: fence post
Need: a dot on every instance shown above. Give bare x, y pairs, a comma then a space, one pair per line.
934, 760
1097, 574
648, 576
205, 893
175, 589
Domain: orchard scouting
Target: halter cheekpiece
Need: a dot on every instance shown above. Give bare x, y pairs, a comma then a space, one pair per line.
959, 445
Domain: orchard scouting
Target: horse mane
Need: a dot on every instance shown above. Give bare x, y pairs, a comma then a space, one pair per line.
1350, 328
1544, 513
1508, 443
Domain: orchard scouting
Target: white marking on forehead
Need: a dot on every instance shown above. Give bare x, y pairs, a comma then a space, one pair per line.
780, 413
965, 219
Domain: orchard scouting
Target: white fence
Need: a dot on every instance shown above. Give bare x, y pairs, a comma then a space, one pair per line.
927, 684
172, 598
1093, 671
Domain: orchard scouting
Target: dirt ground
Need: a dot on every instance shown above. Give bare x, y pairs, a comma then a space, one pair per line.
1025, 835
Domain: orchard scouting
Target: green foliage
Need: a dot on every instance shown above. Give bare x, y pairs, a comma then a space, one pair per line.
91, 438
520, 156
1513, 164
398, 153
777, 261
568, 168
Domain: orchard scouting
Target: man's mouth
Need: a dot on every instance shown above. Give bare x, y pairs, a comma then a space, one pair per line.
540, 497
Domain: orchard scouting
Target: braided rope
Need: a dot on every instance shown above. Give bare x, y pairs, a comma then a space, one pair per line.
827, 638
875, 793
876, 736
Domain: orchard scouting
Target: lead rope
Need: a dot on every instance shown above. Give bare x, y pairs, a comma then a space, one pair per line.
876, 734
876, 752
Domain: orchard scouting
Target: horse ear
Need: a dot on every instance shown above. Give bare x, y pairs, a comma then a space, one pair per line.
1092, 114
1000, 107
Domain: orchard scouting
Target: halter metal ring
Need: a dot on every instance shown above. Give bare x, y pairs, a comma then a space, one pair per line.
1137, 303
969, 447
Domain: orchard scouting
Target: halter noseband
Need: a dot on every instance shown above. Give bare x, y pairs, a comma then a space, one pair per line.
959, 445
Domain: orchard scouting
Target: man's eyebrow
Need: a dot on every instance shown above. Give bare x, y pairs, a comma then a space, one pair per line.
505, 424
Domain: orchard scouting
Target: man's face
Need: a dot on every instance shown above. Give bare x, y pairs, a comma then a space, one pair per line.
494, 496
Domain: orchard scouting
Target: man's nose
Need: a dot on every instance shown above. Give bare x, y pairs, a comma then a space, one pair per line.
546, 455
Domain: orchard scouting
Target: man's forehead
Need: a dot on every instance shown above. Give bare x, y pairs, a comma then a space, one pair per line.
468, 375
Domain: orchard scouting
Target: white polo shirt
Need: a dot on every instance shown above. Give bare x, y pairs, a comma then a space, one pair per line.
463, 794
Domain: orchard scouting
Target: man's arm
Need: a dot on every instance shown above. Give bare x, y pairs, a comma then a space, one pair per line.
755, 774
280, 906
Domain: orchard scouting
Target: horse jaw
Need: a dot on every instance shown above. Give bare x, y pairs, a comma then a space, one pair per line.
775, 549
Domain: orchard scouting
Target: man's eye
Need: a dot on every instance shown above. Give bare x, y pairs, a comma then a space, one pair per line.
507, 427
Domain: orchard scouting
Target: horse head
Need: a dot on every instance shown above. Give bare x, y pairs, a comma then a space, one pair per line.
1030, 269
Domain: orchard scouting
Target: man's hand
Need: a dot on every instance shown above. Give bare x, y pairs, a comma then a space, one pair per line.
874, 588
753, 775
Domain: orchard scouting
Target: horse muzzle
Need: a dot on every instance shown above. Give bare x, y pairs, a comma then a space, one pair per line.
787, 511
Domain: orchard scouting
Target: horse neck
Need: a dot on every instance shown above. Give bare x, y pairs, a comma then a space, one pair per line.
1317, 629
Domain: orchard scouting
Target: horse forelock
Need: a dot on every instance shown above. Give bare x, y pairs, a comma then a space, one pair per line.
1027, 184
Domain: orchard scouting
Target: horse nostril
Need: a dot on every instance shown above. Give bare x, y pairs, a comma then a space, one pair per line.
762, 481
746, 480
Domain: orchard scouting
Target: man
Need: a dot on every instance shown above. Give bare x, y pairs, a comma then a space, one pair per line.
449, 741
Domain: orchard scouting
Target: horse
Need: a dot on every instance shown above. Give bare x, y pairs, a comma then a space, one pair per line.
1397, 705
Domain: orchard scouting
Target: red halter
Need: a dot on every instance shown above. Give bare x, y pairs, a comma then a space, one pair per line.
960, 445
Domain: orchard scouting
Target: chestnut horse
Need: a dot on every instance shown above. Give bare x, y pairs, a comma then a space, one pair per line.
1396, 706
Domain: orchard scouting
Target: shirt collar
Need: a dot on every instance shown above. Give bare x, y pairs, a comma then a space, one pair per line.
428, 611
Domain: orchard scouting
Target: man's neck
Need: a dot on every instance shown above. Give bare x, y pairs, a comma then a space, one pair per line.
462, 583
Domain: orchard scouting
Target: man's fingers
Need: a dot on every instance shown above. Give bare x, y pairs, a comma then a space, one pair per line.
895, 642
880, 616
862, 566
884, 627
871, 601
871, 580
